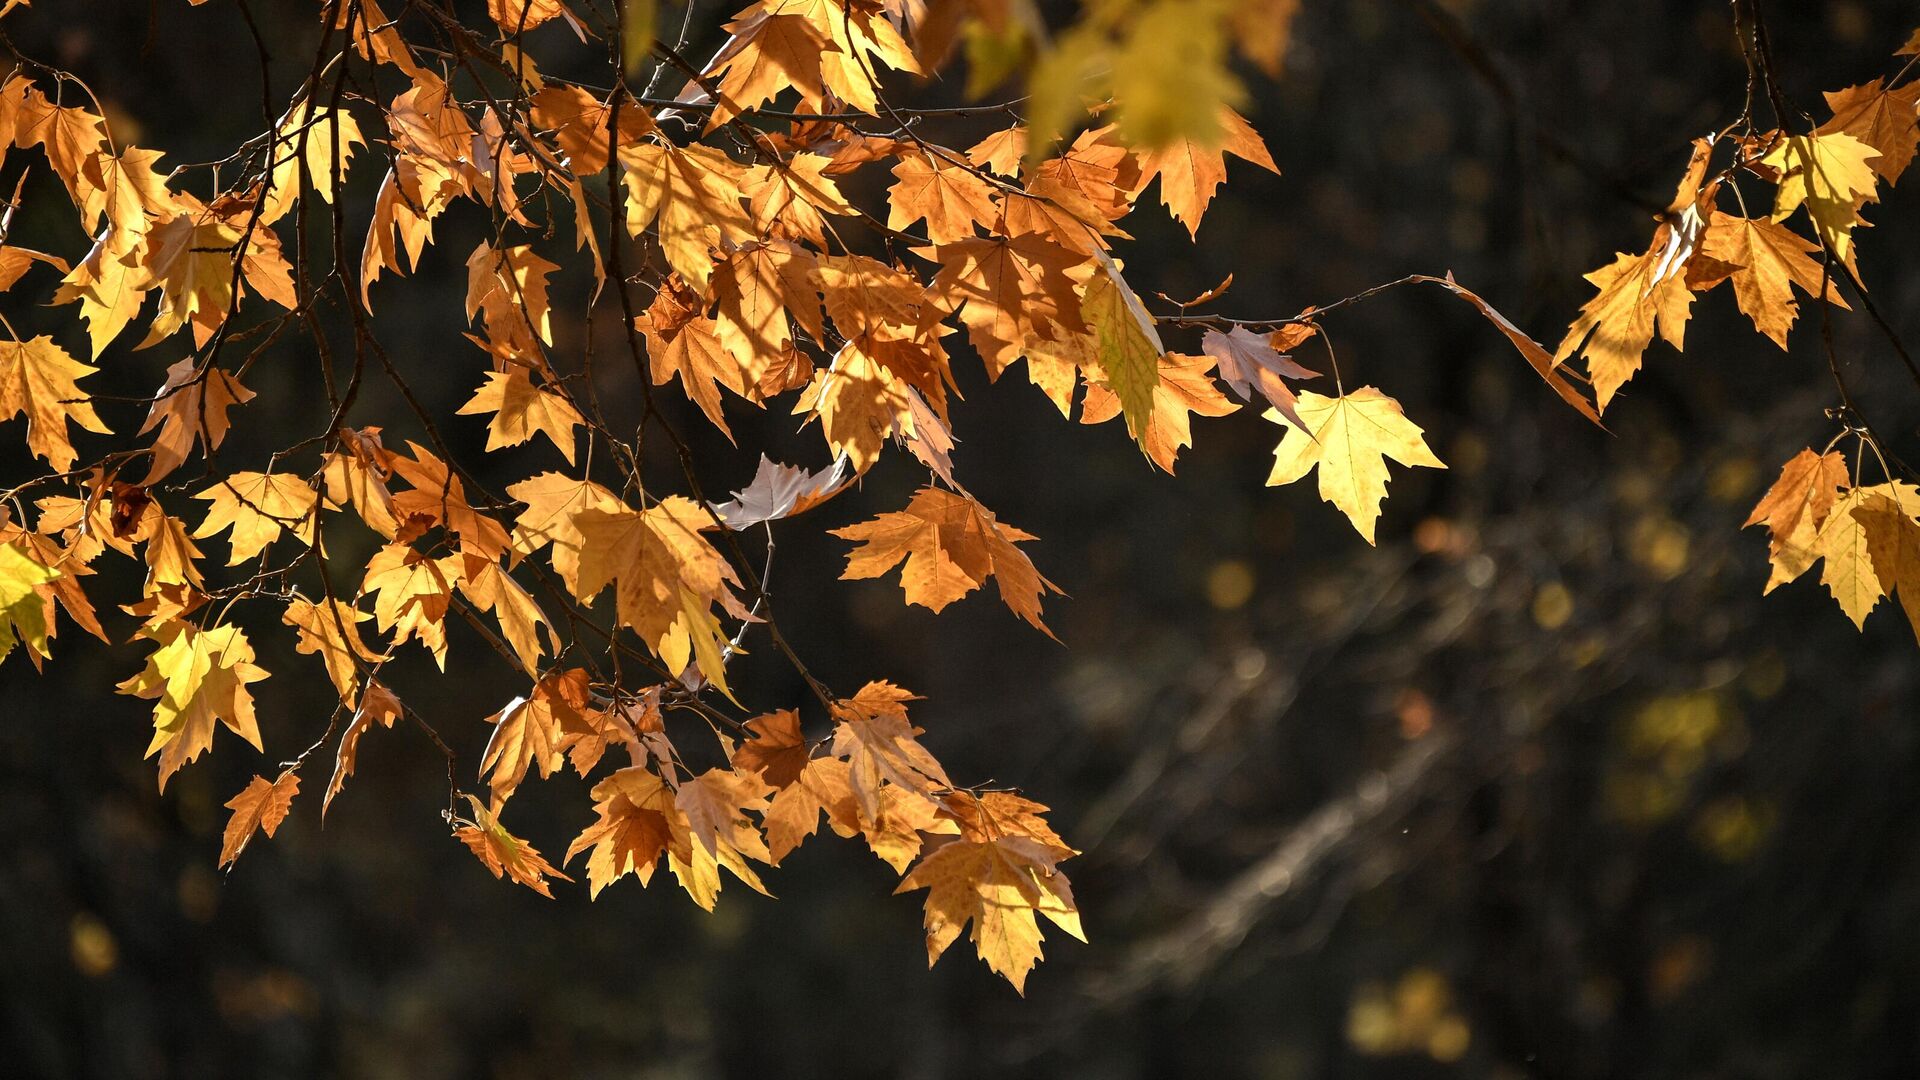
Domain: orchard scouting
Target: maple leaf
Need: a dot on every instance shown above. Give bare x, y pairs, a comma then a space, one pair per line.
692, 195
1840, 541
514, 16
493, 589
191, 406
951, 545
579, 123
951, 199
412, 593
768, 52
781, 491
788, 199
330, 631
66, 134
197, 680
1191, 171
878, 742
261, 806
1614, 329
378, 705
1831, 176
316, 143
777, 752
521, 410
508, 286
16, 261
1350, 439
1249, 362
859, 403
126, 191
1805, 492
258, 507
824, 785
1013, 293
632, 831
999, 885
1771, 259
357, 474
1543, 362
1184, 389
190, 258
1126, 344
526, 734
694, 352
504, 854
439, 497
1880, 117
1893, 547
108, 290
716, 804
23, 610
553, 501
40, 380
668, 579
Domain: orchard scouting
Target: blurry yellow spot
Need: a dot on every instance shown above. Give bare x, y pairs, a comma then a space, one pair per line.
1372, 1027
199, 893
94, 951
1765, 675
1449, 1040
260, 997
1552, 606
1848, 21
1588, 651
1639, 798
1415, 711
1660, 544
1732, 481
1678, 965
1433, 535
1415, 1017
1469, 454
1229, 584
1734, 827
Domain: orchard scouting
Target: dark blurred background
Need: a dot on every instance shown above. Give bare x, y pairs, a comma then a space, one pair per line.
1541, 787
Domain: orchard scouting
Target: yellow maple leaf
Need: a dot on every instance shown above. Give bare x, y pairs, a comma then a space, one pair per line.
260, 807
40, 380
951, 199
1126, 344
668, 576
1832, 176
23, 609
1350, 439
521, 411
1893, 546
330, 631
999, 885
1771, 260
1637, 294
258, 507
197, 680
1191, 170
692, 196
950, 545
504, 854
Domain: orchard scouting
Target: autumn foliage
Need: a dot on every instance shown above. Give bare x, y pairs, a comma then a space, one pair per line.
775, 227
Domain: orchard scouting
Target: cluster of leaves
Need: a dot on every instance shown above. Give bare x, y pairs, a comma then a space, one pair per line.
777, 234
1822, 177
